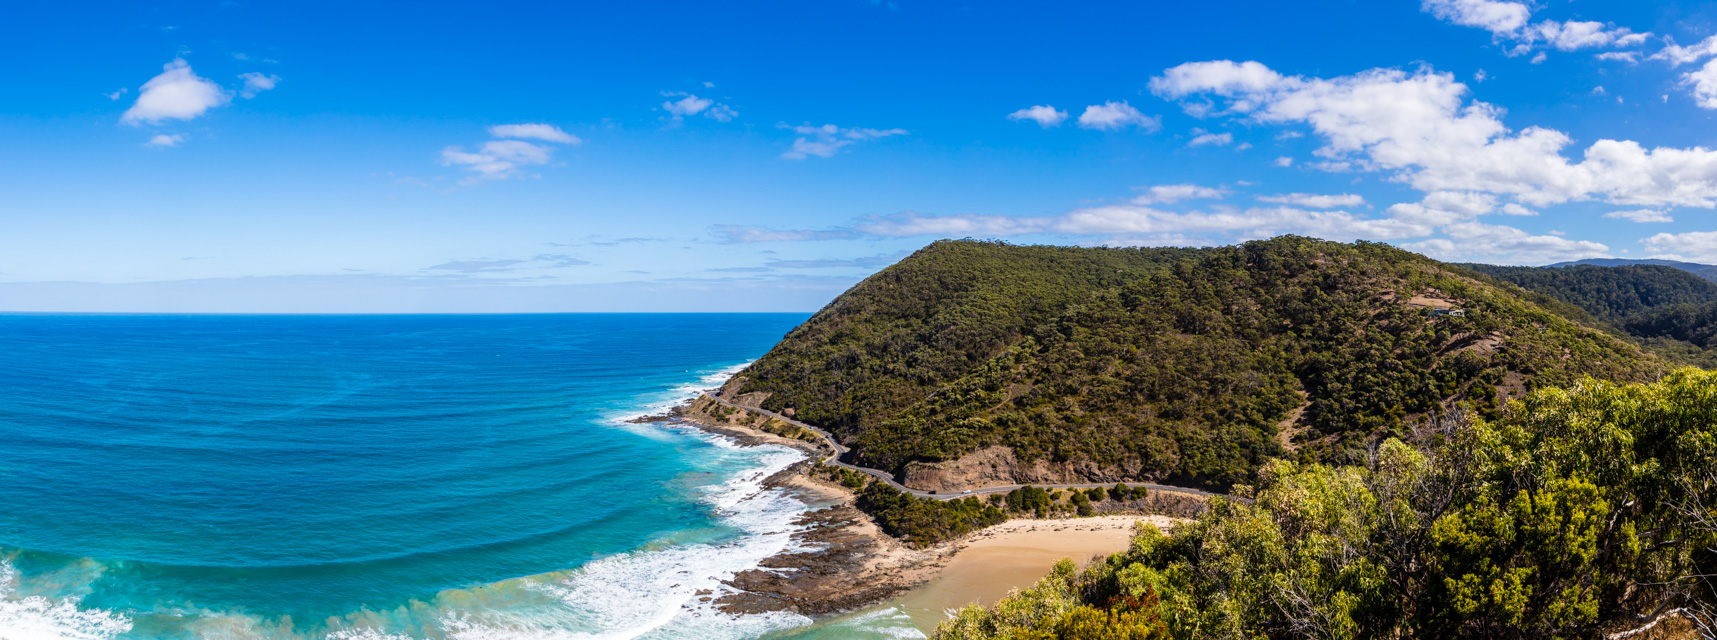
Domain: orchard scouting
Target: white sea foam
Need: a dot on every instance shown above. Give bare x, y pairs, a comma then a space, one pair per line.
651, 593
677, 396
38, 618
654, 593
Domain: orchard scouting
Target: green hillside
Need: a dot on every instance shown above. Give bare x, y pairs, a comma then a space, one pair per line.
1668, 309
1175, 364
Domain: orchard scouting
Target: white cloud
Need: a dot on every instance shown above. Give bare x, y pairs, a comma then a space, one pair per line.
164, 140
1630, 57
1315, 201
534, 131
1511, 21
1110, 116
1217, 139
721, 113
255, 83
502, 159
1704, 83
115, 95
1044, 115
1694, 245
1678, 55
689, 105
828, 139
1172, 193
176, 94
1641, 215
1421, 130
1512, 209
1573, 35
733, 233
1495, 243
1284, 161
1257, 222
1598, 90
1490, 15
686, 106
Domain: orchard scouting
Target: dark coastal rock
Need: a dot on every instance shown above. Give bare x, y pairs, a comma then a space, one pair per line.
828, 580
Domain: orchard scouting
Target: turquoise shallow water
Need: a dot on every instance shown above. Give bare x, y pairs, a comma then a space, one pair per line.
376, 477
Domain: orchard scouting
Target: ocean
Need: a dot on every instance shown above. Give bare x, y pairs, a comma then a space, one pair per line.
382, 478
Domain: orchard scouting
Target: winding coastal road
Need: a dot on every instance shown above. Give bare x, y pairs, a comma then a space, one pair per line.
841, 450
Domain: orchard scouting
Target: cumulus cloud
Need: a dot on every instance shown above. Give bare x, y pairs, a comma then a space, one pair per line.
826, 140
115, 95
534, 131
1641, 215
1315, 201
690, 105
502, 159
1044, 115
1420, 129
164, 140
1283, 161
1508, 245
1511, 21
1111, 116
1630, 57
1678, 55
1699, 246
255, 83
176, 94
1172, 193
1704, 84
1490, 15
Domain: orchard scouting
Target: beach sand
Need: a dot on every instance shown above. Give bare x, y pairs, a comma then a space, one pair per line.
1015, 554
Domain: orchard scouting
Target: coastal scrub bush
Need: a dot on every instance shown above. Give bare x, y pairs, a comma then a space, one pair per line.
922, 522
1029, 498
1577, 513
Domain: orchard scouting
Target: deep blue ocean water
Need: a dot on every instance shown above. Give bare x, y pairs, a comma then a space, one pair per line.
376, 477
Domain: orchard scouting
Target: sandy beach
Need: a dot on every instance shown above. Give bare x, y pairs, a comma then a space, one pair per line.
1015, 554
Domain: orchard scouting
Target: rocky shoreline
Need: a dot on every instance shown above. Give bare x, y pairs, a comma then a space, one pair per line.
842, 561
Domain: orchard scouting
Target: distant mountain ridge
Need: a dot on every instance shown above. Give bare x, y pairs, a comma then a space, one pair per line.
1706, 271
987, 363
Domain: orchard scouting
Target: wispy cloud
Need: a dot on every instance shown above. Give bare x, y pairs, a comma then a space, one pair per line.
691, 105
735, 234
533, 131
165, 140
255, 83
1172, 193
1641, 215
479, 266
1044, 115
502, 159
1315, 201
826, 140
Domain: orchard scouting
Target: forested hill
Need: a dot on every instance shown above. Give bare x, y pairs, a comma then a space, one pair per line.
1192, 365
1667, 308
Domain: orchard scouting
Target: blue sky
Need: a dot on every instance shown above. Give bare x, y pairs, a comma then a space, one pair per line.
411, 157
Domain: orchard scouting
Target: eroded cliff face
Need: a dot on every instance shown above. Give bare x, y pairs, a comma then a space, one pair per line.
997, 465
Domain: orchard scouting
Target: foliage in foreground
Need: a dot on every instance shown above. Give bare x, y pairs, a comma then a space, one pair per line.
1578, 512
